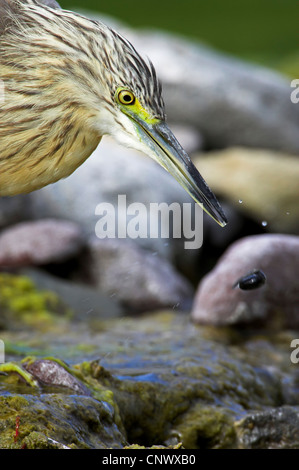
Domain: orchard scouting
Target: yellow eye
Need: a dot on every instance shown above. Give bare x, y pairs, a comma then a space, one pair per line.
126, 97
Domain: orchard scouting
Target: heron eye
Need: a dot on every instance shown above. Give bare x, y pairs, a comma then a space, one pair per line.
126, 97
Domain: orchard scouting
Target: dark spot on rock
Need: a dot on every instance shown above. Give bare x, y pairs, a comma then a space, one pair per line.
252, 280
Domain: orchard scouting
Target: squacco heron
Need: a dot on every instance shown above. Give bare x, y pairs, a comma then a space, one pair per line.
66, 82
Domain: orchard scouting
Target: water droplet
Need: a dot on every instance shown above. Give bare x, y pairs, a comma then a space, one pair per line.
264, 223
240, 201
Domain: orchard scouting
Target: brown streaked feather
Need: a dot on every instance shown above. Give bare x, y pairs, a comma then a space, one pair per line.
7, 8
10, 7
58, 80
47, 3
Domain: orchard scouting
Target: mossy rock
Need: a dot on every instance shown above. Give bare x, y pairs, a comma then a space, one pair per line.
24, 306
48, 421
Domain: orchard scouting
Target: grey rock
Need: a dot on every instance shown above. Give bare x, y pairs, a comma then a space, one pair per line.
276, 428
111, 171
231, 102
275, 304
138, 279
51, 3
40, 242
189, 137
85, 302
14, 209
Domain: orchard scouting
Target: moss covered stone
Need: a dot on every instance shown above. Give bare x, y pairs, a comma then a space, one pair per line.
162, 381
57, 420
22, 305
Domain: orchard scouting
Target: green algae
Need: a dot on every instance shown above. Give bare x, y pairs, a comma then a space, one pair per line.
22, 305
179, 405
9, 368
163, 381
206, 427
21, 348
57, 420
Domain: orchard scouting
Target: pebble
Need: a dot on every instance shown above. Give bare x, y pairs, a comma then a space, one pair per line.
49, 372
40, 242
274, 303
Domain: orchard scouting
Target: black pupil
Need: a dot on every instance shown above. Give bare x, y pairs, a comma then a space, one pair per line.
127, 98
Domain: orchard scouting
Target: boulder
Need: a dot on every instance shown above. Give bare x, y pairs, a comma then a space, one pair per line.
110, 172
40, 242
261, 184
219, 300
140, 280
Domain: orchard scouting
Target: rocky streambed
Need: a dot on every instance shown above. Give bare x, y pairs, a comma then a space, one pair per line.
155, 379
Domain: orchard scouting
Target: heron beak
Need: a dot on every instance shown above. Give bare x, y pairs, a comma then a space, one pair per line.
175, 160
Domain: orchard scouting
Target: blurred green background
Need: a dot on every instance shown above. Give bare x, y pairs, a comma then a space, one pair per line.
263, 31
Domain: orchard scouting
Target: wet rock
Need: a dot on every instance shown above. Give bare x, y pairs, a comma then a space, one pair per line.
49, 372
231, 102
140, 280
111, 171
162, 381
40, 242
174, 384
260, 184
276, 428
276, 303
49, 421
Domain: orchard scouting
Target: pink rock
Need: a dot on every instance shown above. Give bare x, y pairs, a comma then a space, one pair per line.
39, 242
275, 303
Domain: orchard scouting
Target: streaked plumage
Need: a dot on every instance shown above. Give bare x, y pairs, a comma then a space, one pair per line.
61, 72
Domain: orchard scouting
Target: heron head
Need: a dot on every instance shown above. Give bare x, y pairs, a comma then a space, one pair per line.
136, 118
70, 74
